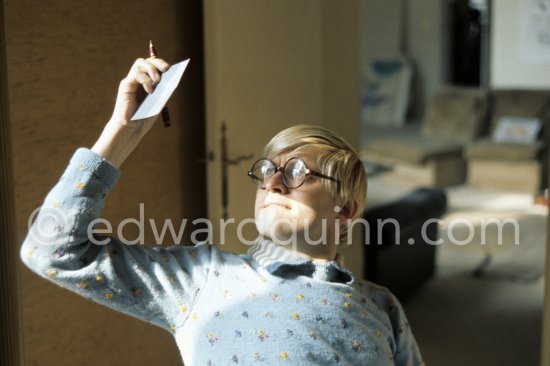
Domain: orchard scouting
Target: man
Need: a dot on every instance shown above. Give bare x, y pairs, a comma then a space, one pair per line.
288, 300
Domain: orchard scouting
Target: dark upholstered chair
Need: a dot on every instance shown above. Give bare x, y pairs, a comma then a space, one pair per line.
403, 259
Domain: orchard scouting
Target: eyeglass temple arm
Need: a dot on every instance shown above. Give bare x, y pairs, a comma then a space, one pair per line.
323, 176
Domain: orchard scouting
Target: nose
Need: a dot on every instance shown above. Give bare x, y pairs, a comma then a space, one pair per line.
275, 183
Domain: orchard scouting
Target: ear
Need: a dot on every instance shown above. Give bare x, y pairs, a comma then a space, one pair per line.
349, 210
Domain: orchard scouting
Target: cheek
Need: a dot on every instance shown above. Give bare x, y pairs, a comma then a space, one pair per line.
303, 212
260, 195
318, 204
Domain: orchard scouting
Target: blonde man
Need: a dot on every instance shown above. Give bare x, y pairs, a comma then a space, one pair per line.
278, 303
300, 148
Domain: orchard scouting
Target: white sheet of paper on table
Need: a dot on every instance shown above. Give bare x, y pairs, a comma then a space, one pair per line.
154, 102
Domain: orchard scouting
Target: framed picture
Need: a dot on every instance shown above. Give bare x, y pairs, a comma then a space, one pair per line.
385, 90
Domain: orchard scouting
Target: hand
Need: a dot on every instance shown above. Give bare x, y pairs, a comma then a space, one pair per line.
143, 76
121, 135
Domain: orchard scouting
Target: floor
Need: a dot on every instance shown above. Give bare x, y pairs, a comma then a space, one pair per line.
484, 305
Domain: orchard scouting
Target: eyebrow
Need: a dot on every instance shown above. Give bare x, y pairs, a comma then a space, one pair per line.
296, 157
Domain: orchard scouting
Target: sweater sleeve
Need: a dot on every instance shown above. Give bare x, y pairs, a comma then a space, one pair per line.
157, 285
406, 349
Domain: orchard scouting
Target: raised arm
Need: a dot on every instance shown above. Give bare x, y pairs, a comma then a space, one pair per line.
121, 135
154, 284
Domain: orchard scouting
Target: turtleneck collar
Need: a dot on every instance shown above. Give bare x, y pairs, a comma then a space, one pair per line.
280, 261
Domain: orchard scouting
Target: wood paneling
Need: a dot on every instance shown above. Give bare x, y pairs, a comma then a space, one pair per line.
65, 60
10, 332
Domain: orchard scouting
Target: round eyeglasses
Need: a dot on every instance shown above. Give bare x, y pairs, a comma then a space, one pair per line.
294, 172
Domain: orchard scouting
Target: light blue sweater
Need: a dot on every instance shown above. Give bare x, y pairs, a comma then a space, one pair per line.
267, 307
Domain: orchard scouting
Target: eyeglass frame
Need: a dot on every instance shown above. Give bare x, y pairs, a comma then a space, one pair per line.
282, 169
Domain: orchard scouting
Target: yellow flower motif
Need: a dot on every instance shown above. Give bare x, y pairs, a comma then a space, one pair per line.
194, 316
262, 335
251, 294
348, 295
51, 272
83, 285
183, 308
98, 278
56, 204
378, 333
31, 251
346, 305
262, 279
284, 356
300, 297
80, 185
108, 296
172, 328
296, 316
356, 345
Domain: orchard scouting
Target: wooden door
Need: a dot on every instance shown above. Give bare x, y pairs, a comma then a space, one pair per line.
270, 65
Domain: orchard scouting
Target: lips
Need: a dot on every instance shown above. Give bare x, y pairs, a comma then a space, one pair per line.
276, 204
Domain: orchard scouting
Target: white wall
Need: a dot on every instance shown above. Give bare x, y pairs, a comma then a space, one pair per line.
509, 69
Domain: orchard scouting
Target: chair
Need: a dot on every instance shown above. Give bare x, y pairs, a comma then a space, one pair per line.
455, 117
511, 165
403, 259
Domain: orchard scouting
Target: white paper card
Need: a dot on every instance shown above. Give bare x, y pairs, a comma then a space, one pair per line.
517, 130
152, 104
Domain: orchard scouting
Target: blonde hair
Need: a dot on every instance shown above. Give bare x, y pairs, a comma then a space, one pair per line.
336, 159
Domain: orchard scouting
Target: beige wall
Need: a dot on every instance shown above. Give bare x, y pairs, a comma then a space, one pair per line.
65, 60
270, 65
419, 30
388, 15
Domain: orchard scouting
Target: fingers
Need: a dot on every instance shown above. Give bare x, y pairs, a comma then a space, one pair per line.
147, 72
159, 63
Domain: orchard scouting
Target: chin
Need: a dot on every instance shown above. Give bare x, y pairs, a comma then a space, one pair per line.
279, 228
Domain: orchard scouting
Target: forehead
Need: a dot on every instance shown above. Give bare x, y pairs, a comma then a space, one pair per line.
309, 156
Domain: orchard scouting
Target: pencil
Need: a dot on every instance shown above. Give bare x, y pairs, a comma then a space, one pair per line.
164, 113
152, 50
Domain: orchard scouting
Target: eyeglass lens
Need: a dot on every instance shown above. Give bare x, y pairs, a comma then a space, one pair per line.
294, 172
